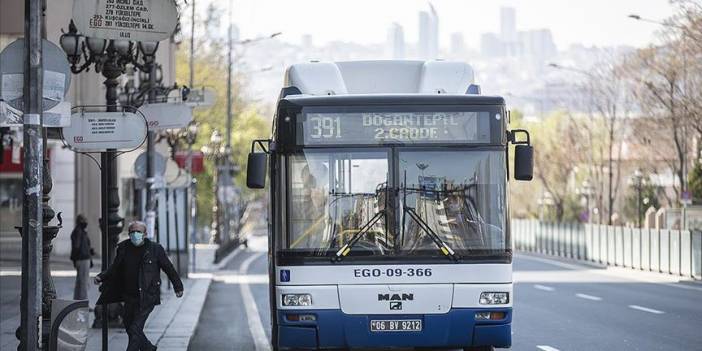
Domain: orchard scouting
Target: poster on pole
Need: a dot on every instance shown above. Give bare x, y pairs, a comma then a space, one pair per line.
56, 75
100, 131
167, 115
58, 116
135, 20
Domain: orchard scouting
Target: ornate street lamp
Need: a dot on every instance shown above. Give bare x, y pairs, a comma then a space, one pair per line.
110, 58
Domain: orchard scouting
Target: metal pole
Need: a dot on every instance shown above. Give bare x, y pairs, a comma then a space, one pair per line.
225, 206
191, 193
638, 206
32, 213
230, 48
192, 45
104, 180
150, 162
189, 202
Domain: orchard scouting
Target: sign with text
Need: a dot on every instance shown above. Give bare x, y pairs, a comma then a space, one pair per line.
99, 131
167, 115
203, 97
56, 77
395, 127
135, 20
58, 116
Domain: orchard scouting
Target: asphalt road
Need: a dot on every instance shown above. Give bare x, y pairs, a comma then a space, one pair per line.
559, 305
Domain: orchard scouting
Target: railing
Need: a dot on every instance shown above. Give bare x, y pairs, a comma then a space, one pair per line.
676, 252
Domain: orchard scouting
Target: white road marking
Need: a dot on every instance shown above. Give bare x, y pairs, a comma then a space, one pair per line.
588, 297
228, 258
645, 309
255, 324
625, 274
543, 287
546, 348
54, 273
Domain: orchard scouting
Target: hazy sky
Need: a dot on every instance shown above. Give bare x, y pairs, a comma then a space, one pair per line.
591, 22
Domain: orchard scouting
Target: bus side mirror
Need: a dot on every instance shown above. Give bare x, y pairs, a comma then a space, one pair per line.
523, 162
256, 170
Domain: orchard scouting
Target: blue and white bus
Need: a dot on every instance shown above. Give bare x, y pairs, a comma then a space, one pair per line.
389, 220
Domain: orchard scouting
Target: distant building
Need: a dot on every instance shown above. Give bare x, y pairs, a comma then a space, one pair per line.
428, 34
396, 41
491, 45
534, 44
508, 31
458, 43
537, 43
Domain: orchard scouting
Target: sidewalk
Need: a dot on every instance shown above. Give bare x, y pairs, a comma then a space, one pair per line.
170, 325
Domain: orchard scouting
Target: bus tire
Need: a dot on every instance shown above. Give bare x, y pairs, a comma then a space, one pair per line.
479, 348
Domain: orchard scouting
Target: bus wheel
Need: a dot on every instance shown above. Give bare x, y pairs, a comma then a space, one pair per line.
479, 348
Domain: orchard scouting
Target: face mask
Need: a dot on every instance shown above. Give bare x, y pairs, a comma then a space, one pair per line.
83, 225
137, 238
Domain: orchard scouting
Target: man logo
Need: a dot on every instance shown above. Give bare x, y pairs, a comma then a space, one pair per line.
396, 297
395, 305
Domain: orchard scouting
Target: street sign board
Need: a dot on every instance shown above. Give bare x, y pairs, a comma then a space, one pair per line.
202, 97
135, 20
159, 165
99, 131
56, 80
167, 115
58, 116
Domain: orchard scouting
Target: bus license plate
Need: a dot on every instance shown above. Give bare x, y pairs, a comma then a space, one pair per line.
395, 325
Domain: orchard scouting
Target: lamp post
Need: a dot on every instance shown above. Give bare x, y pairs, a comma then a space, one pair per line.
587, 190
190, 138
213, 151
637, 181
110, 58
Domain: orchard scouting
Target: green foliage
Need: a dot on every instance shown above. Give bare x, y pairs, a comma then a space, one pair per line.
695, 183
648, 197
248, 124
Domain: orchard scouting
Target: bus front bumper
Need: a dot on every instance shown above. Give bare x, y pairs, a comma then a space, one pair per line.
329, 329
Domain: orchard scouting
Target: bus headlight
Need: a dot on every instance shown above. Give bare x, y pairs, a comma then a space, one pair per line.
297, 300
494, 298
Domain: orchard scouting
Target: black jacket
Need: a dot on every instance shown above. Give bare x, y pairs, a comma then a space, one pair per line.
153, 261
80, 245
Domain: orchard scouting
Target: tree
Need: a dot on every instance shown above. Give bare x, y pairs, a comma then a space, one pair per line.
635, 210
211, 71
696, 183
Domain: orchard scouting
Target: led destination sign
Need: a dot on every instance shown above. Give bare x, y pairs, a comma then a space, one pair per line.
395, 127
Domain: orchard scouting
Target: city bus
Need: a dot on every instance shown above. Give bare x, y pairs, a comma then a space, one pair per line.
389, 214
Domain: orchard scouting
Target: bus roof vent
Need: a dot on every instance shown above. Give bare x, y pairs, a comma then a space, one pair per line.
380, 77
316, 78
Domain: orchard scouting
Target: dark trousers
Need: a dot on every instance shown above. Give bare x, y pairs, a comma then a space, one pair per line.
135, 317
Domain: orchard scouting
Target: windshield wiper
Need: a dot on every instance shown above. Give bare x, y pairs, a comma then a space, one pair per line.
445, 249
344, 250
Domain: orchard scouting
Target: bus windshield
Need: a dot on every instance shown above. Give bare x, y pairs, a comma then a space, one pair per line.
391, 194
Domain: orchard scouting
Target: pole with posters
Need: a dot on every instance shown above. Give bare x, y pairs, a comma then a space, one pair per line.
150, 152
32, 213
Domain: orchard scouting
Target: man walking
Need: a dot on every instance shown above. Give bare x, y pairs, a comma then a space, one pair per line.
81, 255
134, 278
